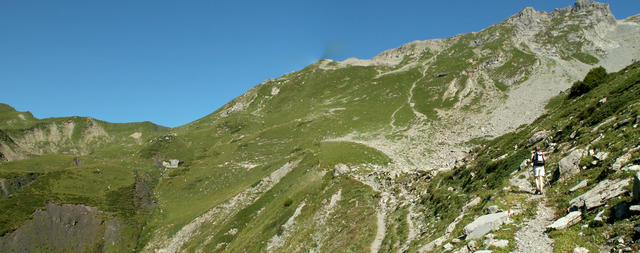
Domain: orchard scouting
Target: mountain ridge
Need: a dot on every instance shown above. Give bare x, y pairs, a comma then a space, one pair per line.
345, 155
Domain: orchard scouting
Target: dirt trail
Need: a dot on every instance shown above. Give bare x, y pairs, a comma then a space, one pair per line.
532, 237
377, 242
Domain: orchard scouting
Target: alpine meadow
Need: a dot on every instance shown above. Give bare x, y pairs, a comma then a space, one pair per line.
423, 148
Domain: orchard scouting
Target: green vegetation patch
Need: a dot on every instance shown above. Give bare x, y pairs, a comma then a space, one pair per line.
332, 153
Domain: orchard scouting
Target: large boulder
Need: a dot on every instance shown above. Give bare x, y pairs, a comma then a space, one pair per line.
566, 221
569, 165
486, 223
536, 137
598, 196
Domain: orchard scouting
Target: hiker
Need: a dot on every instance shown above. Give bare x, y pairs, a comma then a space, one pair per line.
537, 159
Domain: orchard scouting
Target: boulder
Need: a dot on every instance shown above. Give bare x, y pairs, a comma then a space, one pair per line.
536, 137
566, 221
492, 209
569, 165
496, 243
632, 167
340, 169
634, 208
580, 250
601, 156
448, 247
599, 194
582, 183
486, 223
624, 158
172, 164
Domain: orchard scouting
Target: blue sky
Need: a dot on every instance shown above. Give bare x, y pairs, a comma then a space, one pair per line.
172, 62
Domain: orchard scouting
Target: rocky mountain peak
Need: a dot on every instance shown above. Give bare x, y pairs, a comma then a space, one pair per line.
526, 17
589, 4
599, 10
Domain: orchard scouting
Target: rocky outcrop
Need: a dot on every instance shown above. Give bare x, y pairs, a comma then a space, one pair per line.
566, 221
66, 228
486, 223
569, 165
582, 183
13, 184
340, 169
602, 9
172, 163
598, 196
536, 137
620, 161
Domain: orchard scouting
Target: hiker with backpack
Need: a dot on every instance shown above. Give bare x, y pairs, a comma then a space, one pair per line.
538, 159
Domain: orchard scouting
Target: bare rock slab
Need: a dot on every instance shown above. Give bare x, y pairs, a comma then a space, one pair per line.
569, 165
566, 221
497, 243
599, 195
582, 183
580, 250
484, 224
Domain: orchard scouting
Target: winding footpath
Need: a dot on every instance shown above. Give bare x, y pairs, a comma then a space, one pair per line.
532, 237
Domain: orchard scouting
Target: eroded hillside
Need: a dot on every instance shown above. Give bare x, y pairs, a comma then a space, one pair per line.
396, 153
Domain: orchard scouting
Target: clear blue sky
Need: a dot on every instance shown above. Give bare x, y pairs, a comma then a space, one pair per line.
172, 62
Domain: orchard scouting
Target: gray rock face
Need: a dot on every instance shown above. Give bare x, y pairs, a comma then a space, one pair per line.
484, 224
497, 243
580, 250
521, 179
601, 156
14, 184
620, 161
582, 183
569, 165
599, 195
602, 10
65, 228
172, 164
340, 169
566, 221
536, 137
631, 167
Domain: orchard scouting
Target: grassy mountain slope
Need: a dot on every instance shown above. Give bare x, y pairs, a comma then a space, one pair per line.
75, 160
396, 153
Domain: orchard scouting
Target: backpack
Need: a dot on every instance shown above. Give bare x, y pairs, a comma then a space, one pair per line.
538, 158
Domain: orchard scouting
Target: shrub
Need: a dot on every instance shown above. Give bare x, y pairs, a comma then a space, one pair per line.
594, 78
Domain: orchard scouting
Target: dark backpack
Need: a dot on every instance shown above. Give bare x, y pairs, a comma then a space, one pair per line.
538, 158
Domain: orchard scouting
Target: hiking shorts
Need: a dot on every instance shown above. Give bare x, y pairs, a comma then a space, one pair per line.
538, 171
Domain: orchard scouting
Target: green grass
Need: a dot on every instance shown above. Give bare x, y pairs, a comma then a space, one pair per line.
586, 58
332, 153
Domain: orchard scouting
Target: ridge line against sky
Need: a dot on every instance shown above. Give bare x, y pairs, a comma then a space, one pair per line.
171, 63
